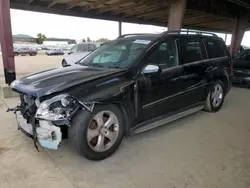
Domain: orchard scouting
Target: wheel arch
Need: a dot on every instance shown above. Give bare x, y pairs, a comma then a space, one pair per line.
224, 77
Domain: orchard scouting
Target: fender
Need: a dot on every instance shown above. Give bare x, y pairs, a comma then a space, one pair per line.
224, 76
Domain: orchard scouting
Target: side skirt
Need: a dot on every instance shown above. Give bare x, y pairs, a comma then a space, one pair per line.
162, 120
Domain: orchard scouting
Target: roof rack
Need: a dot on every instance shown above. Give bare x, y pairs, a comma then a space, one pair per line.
189, 32
132, 34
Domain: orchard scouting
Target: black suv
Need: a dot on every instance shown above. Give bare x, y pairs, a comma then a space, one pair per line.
129, 85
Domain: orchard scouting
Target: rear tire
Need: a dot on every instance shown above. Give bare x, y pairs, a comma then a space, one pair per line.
97, 135
215, 97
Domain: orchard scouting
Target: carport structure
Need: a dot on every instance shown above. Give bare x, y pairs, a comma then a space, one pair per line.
229, 16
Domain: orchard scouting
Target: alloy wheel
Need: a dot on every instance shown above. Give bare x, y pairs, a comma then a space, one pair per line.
217, 95
103, 131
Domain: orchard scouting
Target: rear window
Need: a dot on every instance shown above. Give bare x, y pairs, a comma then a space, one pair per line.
92, 47
82, 48
214, 48
244, 56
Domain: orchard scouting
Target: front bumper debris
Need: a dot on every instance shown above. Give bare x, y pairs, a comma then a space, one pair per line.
47, 135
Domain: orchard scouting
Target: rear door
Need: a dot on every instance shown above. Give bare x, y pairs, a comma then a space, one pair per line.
194, 61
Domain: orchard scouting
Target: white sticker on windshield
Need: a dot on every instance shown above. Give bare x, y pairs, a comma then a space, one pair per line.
142, 41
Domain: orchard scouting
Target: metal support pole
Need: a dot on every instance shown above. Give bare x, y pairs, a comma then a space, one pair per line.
120, 28
7, 42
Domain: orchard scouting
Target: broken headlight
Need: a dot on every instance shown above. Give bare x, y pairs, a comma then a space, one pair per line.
57, 108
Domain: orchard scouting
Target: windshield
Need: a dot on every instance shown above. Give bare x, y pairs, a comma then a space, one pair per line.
116, 54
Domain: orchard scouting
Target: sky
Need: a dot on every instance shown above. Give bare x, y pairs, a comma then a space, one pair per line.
32, 23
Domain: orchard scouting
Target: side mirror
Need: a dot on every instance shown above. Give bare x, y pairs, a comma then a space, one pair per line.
70, 53
151, 70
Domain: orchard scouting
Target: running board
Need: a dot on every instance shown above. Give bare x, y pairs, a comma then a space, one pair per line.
151, 125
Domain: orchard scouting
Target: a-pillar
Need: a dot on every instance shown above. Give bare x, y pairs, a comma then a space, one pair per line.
239, 29
176, 14
7, 42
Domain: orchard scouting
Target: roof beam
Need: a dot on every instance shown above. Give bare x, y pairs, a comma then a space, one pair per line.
129, 8
90, 5
151, 11
99, 2
76, 3
53, 2
117, 5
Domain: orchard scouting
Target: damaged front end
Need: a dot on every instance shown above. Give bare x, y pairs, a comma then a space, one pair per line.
43, 120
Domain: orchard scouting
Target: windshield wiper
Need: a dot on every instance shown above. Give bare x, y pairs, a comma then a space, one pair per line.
114, 67
97, 65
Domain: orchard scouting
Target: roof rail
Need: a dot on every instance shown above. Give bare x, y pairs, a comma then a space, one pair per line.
132, 34
189, 32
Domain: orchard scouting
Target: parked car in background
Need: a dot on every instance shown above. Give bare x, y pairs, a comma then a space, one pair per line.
79, 51
57, 51
126, 86
242, 48
241, 68
25, 51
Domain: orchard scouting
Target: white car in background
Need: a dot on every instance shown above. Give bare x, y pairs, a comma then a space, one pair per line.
78, 52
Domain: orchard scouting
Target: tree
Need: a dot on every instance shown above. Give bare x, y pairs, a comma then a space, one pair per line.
88, 39
83, 40
102, 40
40, 38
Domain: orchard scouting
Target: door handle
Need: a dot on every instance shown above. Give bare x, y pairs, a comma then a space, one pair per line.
176, 79
189, 76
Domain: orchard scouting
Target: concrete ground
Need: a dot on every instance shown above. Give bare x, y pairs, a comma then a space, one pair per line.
204, 150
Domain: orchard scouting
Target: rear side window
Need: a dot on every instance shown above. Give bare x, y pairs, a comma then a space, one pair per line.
92, 47
82, 48
214, 48
74, 49
190, 50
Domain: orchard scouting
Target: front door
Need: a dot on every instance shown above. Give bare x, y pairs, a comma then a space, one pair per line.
160, 93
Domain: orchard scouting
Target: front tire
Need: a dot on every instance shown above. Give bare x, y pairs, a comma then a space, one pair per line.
215, 97
97, 135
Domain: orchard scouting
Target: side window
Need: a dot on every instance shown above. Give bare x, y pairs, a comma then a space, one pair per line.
245, 56
190, 50
92, 47
165, 55
82, 48
214, 48
74, 49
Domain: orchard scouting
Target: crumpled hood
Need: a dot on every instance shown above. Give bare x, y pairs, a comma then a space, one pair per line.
56, 80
